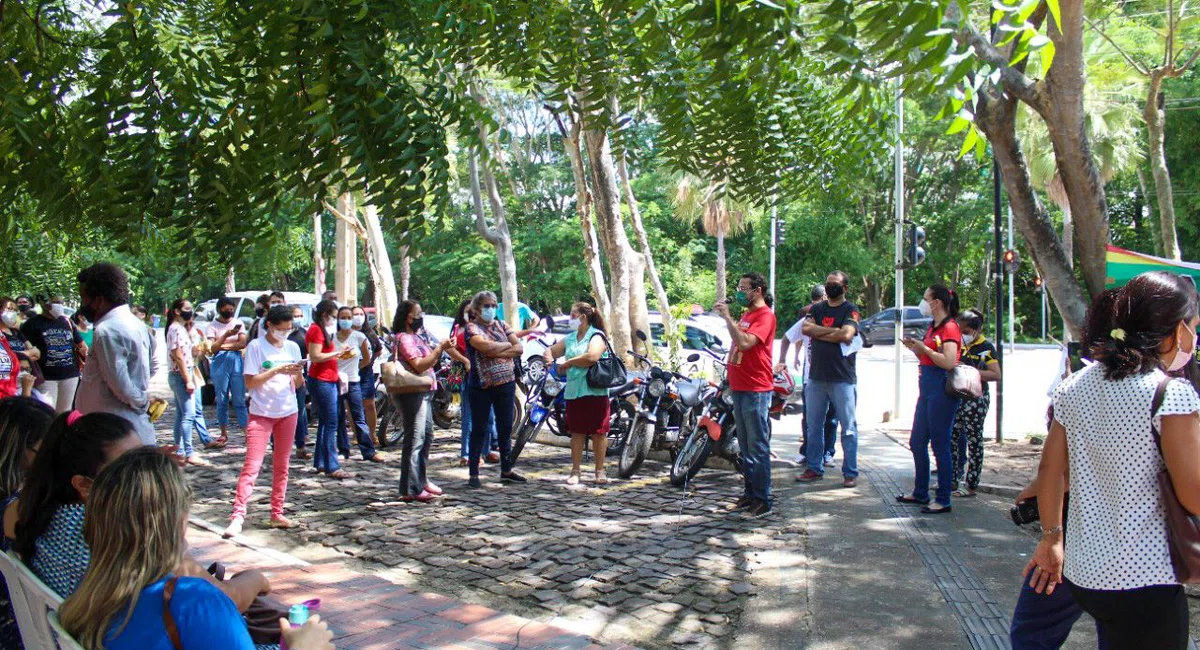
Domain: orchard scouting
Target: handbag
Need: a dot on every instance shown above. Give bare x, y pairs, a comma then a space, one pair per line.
1183, 528
964, 382
262, 617
609, 371
399, 380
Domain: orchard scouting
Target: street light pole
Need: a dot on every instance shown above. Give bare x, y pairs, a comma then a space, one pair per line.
1011, 284
774, 242
899, 203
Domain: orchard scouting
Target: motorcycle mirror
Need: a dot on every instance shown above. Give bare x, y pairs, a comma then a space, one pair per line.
641, 336
693, 358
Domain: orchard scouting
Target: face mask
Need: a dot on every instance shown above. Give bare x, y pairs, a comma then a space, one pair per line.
418, 323
259, 311
741, 299
574, 323
331, 326
968, 339
344, 323
187, 315
925, 308
488, 314
834, 290
358, 321
88, 312
1182, 358
56, 310
299, 322
10, 318
226, 315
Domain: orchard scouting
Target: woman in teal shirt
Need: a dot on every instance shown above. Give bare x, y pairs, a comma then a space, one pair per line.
587, 407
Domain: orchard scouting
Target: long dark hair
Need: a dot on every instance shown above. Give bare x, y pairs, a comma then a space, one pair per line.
400, 322
591, 314
757, 281
324, 308
460, 315
67, 450
173, 312
23, 420
1126, 326
948, 298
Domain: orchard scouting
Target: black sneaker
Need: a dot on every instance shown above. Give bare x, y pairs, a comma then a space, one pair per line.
473, 482
742, 503
759, 510
512, 477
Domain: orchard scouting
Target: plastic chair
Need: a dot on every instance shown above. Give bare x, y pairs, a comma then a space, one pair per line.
32, 601
61, 636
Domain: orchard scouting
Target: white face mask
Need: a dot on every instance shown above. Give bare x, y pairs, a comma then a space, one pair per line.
10, 318
968, 339
1181, 358
56, 310
358, 321
574, 323
925, 308
331, 326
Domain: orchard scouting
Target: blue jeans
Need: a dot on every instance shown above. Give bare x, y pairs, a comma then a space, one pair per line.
229, 383
754, 438
188, 416
302, 417
496, 401
324, 396
465, 410
831, 429
843, 397
366, 383
1042, 622
932, 426
351, 403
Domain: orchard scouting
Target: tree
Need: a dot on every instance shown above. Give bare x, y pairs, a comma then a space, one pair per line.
719, 215
496, 234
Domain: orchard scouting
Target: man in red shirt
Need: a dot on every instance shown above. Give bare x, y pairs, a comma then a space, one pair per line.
751, 379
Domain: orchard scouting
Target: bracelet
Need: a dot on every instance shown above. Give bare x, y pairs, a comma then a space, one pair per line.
1057, 530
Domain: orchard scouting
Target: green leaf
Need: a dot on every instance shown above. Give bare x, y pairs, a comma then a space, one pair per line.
1047, 56
1055, 12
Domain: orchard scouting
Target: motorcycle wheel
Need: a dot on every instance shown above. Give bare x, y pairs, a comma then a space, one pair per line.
619, 420
389, 428
691, 457
535, 369
634, 449
443, 417
527, 431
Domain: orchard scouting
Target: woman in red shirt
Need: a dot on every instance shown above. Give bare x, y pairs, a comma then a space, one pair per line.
933, 422
323, 386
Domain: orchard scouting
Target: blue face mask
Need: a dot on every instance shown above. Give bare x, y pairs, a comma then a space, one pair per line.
488, 314
345, 323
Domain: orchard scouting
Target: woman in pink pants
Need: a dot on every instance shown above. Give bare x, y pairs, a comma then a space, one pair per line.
273, 371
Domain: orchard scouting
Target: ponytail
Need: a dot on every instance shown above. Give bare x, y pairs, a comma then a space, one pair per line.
757, 281
947, 297
593, 315
1126, 327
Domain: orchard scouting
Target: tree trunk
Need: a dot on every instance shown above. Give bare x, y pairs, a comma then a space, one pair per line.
230, 281
497, 235
721, 283
380, 262
345, 263
583, 206
1156, 123
639, 229
1062, 110
1148, 212
405, 272
997, 119
639, 313
612, 234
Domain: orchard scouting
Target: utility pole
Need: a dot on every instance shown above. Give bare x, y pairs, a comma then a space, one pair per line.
774, 243
899, 203
999, 275
1011, 284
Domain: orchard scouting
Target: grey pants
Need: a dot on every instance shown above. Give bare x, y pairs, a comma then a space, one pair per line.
416, 416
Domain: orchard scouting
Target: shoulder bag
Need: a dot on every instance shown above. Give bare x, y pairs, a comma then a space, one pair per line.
964, 382
399, 379
1183, 528
609, 371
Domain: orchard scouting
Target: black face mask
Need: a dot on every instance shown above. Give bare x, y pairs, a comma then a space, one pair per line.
834, 290
187, 315
227, 314
259, 311
88, 312
418, 323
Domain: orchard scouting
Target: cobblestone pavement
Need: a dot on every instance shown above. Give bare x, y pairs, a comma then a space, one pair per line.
635, 561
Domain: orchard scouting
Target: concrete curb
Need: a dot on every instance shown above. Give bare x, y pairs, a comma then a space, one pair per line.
1004, 491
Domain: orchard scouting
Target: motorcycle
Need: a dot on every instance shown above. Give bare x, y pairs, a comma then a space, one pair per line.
716, 429
667, 405
447, 406
546, 405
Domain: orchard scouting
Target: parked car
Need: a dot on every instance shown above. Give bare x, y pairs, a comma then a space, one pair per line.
881, 328
207, 310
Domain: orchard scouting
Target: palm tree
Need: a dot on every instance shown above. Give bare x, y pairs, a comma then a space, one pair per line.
721, 216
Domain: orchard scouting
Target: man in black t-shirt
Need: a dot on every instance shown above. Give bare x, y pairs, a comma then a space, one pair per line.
832, 325
61, 349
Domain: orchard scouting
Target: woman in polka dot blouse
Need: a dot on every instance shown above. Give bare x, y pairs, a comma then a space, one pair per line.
1117, 560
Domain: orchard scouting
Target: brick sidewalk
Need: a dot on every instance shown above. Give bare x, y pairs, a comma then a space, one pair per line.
366, 612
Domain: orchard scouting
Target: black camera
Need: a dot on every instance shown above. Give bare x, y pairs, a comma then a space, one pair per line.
1025, 512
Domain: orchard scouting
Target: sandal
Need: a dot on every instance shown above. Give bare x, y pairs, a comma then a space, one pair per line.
282, 523
303, 454
908, 498
963, 493
573, 479
216, 444
340, 475
601, 478
940, 510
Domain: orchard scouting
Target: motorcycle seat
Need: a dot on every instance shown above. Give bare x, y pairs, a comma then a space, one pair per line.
690, 391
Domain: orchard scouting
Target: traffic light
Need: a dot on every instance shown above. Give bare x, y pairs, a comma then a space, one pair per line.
1011, 261
1037, 283
915, 251
780, 234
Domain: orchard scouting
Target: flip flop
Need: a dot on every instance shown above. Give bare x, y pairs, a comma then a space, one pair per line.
963, 494
935, 511
907, 498
340, 475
